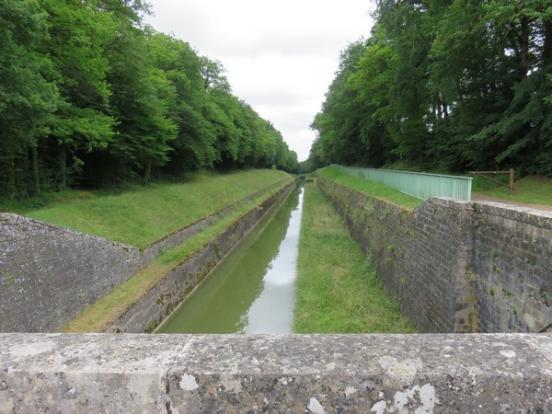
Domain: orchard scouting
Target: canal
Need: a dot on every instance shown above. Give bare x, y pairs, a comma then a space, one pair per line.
252, 289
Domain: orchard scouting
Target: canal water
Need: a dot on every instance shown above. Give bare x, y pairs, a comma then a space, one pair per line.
252, 289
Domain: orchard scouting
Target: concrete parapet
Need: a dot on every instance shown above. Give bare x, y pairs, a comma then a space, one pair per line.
290, 373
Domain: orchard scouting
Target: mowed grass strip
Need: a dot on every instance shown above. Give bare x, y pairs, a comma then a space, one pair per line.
98, 316
146, 214
337, 290
528, 190
534, 189
372, 188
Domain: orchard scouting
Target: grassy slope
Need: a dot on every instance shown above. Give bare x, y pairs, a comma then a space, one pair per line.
96, 317
145, 215
337, 290
372, 188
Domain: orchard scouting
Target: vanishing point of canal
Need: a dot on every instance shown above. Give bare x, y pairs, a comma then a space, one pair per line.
253, 289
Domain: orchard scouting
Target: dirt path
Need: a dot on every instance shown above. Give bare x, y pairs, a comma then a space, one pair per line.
482, 197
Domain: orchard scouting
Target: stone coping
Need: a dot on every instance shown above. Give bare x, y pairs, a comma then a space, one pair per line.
420, 373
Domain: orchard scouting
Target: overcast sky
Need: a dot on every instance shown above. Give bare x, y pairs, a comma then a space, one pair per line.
280, 56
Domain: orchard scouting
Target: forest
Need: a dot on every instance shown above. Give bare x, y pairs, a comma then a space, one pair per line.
450, 85
91, 97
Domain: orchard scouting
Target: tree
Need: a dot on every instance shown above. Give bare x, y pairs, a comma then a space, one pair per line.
75, 45
449, 84
89, 96
140, 100
27, 95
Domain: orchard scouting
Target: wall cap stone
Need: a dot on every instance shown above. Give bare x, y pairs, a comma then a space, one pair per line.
276, 373
526, 215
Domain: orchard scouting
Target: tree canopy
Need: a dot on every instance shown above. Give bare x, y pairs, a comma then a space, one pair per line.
90, 96
450, 84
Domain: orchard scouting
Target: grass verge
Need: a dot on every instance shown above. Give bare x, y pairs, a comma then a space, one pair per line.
371, 188
98, 316
337, 291
145, 214
528, 190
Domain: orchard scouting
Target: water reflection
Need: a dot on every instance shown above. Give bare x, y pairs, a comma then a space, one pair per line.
252, 290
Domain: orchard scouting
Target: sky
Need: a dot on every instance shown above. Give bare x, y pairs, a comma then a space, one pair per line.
280, 56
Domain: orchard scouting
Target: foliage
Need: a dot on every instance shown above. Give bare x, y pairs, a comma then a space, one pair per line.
337, 289
89, 96
451, 84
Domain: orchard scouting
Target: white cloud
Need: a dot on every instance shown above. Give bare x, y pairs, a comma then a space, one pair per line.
280, 56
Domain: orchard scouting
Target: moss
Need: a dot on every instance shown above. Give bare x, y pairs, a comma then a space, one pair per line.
545, 297
507, 293
9, 279
151, 326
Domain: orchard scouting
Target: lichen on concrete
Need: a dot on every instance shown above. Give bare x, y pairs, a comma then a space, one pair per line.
275, 373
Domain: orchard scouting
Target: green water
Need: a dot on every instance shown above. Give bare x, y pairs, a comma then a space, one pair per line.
252, 289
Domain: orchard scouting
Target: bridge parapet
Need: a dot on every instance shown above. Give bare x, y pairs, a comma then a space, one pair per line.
289, 373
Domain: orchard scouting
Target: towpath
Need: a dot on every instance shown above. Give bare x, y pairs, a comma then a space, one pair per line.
482, 197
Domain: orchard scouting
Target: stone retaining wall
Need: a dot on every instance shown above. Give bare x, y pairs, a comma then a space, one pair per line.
105, 373
456, 266
48, 274
513, 267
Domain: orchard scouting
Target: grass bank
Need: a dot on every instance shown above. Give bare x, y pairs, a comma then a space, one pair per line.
146, 214
372, 188
337, 291
98, 316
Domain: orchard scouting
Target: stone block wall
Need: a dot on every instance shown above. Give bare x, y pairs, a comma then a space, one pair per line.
455, 266
513, 267
49, 274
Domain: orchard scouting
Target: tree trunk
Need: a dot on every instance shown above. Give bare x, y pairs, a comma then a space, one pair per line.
147, 173
36, 171
12, 189
547, 49
524, 48
445, 110
62, 182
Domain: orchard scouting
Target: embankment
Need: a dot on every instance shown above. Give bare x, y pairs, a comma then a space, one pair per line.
456, 266
49, 274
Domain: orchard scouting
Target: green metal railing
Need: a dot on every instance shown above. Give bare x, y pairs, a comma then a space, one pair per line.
419, 185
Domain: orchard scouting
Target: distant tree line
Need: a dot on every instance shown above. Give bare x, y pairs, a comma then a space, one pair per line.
450, 84
89, 96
